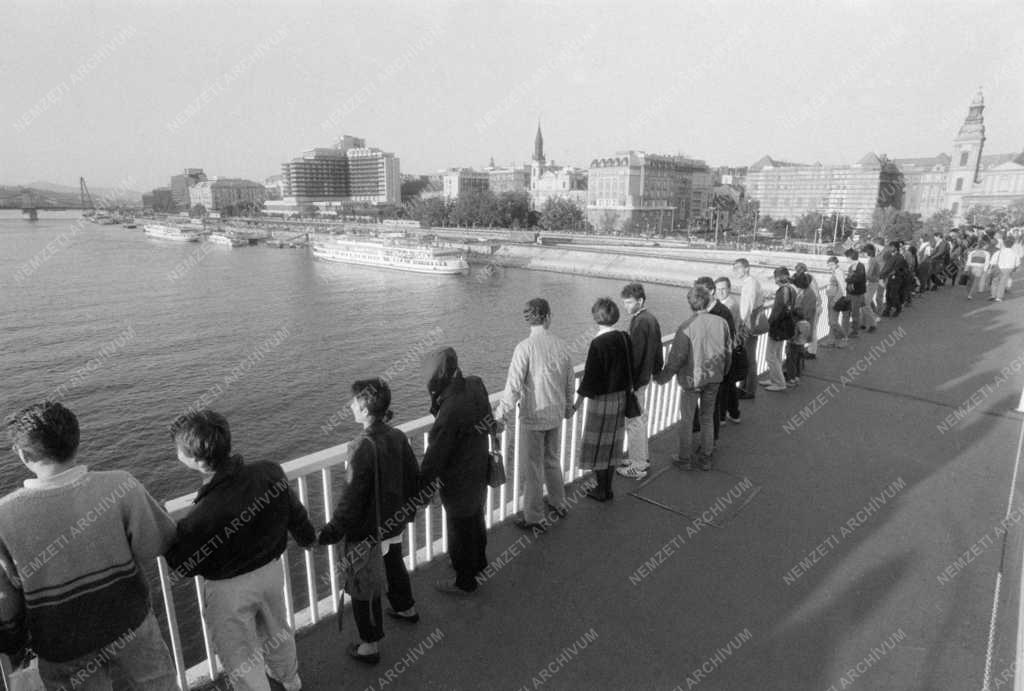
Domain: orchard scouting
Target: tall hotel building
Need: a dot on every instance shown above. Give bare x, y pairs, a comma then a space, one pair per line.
349, 172
790, 190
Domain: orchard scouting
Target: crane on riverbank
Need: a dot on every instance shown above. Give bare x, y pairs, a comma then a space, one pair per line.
88, 206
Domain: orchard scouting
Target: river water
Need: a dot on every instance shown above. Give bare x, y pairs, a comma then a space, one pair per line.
129, 331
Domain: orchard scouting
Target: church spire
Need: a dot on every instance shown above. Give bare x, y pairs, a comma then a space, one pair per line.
538, 145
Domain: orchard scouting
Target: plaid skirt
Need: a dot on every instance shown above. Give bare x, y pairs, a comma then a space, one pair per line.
603, 431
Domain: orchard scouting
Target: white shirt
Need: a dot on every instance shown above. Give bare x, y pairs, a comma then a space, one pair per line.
1005, 259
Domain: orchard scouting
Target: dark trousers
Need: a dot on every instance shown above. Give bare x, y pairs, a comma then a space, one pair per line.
894, 296
728, 400
794, 364
467, 547
367, 613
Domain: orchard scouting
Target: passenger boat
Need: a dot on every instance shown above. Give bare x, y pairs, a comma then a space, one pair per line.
226, 240
163, 231
425, 259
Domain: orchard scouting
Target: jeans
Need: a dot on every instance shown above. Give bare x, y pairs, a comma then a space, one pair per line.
636, 430
774, 357
371, 628
541, 467
691, 401
467, 547
140, 655
875, 296
250, 631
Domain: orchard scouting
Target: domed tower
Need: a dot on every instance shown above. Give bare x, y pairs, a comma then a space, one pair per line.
965, 163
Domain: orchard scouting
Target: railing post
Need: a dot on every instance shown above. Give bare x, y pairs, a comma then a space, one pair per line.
314, 605
515, 462
172, 623
325, 475
211, 659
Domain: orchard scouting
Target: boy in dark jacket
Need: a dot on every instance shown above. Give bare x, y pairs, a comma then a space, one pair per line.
232, 538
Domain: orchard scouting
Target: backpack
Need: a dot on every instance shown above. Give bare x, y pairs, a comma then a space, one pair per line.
785, 326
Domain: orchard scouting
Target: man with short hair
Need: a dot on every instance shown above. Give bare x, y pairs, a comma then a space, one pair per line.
857, 291
717, 308
894, 273
700, 358
85, 606
751, 300
645, 334
872, 271
728, 394
540, 379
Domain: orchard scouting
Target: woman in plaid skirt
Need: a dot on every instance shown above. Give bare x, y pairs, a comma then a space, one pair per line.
606, 377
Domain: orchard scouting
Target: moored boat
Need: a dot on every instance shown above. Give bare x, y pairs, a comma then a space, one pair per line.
226, 240
426, 259
162, 231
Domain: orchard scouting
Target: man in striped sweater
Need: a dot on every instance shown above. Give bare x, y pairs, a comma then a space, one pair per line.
71, 541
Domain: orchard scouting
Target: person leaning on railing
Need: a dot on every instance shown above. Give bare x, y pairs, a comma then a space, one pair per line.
379, 499
71, 544
456, 460
233, 537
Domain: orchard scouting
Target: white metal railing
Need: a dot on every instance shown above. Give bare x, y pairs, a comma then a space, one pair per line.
325, 466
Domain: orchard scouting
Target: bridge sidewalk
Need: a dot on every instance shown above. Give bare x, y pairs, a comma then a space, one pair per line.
841, 567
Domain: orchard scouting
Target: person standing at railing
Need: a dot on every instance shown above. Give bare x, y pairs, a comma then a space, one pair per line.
379, 499
781, 328
812, 286
751, 301
729, 407
540, 379
648, 359
456, 459
700, 358
606, 378
233, 537
1004, 262
71, 544
718, 309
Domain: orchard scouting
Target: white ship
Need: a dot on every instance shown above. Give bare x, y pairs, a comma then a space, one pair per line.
226, 240
424, 259
166, 232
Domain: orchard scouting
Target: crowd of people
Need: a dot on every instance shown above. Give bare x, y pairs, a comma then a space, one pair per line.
72, 540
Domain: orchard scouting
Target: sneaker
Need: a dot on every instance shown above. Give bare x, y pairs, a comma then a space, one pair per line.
773, 387
872, 329
733, 419
633, 472
643, 465
705, 464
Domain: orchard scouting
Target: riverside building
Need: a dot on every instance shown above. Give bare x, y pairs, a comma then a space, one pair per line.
217, 193
180, 185
550, 181
326, 178
790, 190
634, 191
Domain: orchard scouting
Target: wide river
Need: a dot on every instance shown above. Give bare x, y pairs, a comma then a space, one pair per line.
129, 331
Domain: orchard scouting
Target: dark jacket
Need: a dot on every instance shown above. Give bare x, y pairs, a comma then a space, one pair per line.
856, 279
456, 453
648, 359
895, 266
355, 516
726, 314
607, 366
240, 522
781, 322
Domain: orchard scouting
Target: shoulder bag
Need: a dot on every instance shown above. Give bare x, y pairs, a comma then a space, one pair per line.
495, 464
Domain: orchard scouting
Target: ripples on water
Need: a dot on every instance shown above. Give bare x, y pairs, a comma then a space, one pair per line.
183, 336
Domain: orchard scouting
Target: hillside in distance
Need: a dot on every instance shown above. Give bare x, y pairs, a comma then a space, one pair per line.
48, 194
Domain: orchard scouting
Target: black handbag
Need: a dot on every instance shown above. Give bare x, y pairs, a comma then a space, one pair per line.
495, 465
842, 304
632, 403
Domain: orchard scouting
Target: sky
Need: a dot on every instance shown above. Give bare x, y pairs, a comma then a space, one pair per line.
129, 93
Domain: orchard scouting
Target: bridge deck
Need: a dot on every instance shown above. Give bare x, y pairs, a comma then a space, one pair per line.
839, 567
